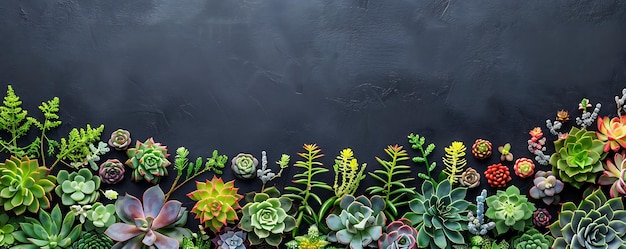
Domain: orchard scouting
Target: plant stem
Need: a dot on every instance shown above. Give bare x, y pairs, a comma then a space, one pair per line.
169, 192
391, 168
175, 187
427, 164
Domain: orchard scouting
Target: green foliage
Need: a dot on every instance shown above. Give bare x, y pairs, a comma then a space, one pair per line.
75, 148
578, 158
394, 191
92, 240
509, 210
192, 170
266, 218
532, 239
454, 161
13, 119
77, 187
24, 185
360, 223
417, 143
50, 110
51, 231
348, 173
7, 227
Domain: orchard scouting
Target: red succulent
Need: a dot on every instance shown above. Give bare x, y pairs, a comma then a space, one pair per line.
497, 175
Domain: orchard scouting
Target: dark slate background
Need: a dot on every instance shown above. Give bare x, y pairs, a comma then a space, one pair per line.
252, 75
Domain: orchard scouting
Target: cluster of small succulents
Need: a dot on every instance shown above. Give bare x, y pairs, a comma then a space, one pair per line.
476, 224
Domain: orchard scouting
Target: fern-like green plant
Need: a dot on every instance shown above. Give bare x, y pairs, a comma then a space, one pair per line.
192, 170
13, 119
394, 192
75, 149
455, 161
417, 143
304, 194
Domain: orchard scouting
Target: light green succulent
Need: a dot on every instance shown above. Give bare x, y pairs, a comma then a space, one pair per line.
99, 217
148, 161
439, 214
360, 223
595, 223
92, 240
51, 231
578, 158
24, 185
532, 239
509, 210
265, 218
6, 231
77, 187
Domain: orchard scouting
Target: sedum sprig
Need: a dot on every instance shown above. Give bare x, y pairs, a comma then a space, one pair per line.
417, 143
266, 174
348, 173
194, 169
455, 161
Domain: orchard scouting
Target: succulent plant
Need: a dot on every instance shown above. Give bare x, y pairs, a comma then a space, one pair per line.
120, 139
524, 167
230, 239
505, 152
216, 203
498, 175
541, 217
312, 240
244, 166
595, 223
612, 132
469, 178
24, 185
399, 235
360, 223
439, 213
77, 187
111, 171
509, 210
615, 175
482, 149
51, 231
148, 161
535, 134
6, 231
562, 116
265, 217
155, 223
546, 187
477, 225
578, 158
100, 217
532, 239
92, 240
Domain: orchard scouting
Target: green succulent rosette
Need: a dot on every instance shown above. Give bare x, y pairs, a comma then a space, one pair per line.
51, 231
24, 185
148, 161
578, 157
266, 218
6, 231
360, 223
99, 217
244, 166
92, 240
77, 187
509, 210
532, 239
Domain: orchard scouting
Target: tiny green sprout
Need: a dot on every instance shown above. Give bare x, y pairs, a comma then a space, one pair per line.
506, 152
584, 104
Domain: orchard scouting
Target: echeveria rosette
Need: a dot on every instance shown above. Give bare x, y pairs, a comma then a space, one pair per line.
470, 178
92, 240
155, 223
612, 132
482, 149
24, 185
51, 231
509, 210
79, 187
542, 218
100, 216
595, 223
120, 139
244, 166
216, 203
497, 175
546, 187
360, 223
231, 239
6, 231
111, 171
532, 239
148, 161
615, 175
524, 167
266, 218
578, 158
399, 234
439, 214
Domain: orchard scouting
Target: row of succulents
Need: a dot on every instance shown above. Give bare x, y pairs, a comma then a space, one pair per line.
396, 214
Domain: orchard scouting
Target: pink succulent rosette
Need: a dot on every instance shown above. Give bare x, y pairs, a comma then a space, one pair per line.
615, 175
120, 139
612, 132
111, 171
524, 167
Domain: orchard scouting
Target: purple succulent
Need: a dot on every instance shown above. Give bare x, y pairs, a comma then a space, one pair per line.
547, 187
120, 139
111, 171
399, 235
156, 223
541, 217
230, 239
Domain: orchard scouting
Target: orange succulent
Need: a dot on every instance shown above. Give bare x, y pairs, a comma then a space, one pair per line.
612, 132
216, 203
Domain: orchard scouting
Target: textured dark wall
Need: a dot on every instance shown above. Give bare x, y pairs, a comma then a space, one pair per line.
252, 75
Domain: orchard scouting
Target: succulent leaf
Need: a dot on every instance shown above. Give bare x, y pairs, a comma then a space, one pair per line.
24, 185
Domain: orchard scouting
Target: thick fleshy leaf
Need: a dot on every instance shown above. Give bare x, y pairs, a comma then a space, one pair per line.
122, 231
167, 215
153, 200
132, 207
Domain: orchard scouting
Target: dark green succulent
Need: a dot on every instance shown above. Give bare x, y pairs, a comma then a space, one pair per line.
595, 223
360, 222
509, 210
439, 214
92, 240
6, 231
532, 239
51, 231
78, 187
578, 158
24, 185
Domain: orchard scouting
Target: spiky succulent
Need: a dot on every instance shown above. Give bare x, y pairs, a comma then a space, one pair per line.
92, 240
111, 171
51, 231
148, 161
595, 223
399, 235
532, 239
546, 187
216, 203
265, 217
155, 223
615, 175
360, 222
439, 213
77, 187
509, 210
578, 158
24, 185
612, 132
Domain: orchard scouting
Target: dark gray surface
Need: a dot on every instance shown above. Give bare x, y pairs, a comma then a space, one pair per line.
252, 75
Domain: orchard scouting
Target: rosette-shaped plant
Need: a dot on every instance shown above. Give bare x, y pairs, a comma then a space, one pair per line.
612, 132
360, 222
265, 218
24, 185
6, 231
615, 175
51, 231
120, 139
92, 240
216, 203
482, 149
524, 167
111, 171
312, 240
399, 235
470, 178
532, 239
509, 210
439, 213
148, 161
578, 157
541, 217
546, 187
595, 223
78, 187
498, 175
230, 239
156, 223
244, 166
100, 217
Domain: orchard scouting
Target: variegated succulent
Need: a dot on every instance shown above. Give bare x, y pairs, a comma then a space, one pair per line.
612, 132
615, 175
360, 222
77, 187
25, 185
148, 161
216, 203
